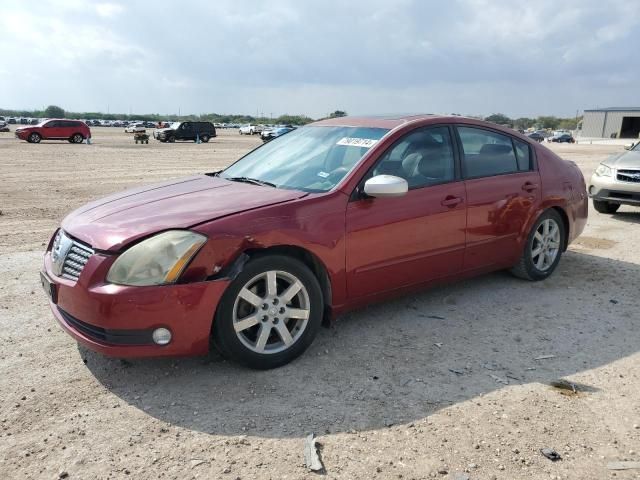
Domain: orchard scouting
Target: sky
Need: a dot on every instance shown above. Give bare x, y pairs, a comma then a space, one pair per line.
474, 57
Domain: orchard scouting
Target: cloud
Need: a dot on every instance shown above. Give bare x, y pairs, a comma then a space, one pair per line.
108, 10
365, 56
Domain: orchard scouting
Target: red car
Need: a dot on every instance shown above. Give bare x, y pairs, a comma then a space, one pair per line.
74, 131
327, 218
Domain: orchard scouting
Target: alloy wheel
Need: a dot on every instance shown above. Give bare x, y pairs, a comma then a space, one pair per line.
546, 244
271, 312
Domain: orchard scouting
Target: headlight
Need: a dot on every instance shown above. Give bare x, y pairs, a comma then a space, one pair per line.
158, 260
603, 170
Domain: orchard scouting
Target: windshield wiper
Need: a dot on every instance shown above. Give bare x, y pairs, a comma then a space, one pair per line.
253, 181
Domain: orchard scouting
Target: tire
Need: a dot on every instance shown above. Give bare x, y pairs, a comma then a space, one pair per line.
605, 207
77, 138
171, 139
34, 138
539, 244
260, 344
204, 138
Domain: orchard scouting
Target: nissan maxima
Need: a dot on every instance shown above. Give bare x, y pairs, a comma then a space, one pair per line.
327, 218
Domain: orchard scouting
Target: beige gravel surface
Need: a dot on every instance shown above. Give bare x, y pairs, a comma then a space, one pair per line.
442, 384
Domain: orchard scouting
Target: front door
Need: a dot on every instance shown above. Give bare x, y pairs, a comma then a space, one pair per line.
503, 188
397, 242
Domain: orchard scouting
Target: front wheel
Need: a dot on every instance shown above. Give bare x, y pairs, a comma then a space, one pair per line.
543, 248
172, 139
34, 138
605, 207
270, 314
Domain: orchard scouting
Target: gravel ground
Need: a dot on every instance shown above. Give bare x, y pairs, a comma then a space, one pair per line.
447, 384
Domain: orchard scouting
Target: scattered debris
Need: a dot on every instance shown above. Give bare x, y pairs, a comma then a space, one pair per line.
498, 379
623, 465
563, 384
614, 301
461, 476
195, 462
456, 371
439, 345
436, 317
311, 457
544, 357
551, 454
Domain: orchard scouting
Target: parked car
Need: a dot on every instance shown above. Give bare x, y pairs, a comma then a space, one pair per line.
74, 131
616, 181
149, 124
186, 131
562, 138
4, 127
12, 121
272, 133
538, 137
248, 129
327, 218
135, 128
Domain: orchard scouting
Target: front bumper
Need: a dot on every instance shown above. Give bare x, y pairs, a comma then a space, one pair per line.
118, 320
610, 189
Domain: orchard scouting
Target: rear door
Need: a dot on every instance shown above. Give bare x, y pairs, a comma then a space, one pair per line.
503, 191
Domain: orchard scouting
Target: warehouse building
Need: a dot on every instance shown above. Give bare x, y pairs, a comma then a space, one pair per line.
611, 122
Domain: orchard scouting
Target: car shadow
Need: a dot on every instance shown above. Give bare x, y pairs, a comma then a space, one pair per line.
400, 361
628, 216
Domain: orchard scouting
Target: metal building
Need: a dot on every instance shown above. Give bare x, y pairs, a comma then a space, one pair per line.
613, 122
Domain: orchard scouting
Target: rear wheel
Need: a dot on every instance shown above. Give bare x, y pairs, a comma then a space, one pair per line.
543, 248
605, 207
77, 138
270, 314
204, 138
34, 138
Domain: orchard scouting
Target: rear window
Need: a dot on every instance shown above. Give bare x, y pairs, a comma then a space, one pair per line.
487, 153
523, 152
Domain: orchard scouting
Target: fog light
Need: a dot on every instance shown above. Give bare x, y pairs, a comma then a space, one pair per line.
161, 336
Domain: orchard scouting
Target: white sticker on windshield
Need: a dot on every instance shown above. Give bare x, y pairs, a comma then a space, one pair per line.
323, 174
357, 142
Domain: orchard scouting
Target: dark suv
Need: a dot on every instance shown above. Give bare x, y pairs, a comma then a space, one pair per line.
186, 131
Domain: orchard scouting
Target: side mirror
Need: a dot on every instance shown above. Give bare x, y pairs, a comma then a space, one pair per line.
383, 186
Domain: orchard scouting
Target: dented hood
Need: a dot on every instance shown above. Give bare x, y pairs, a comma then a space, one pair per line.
112, 222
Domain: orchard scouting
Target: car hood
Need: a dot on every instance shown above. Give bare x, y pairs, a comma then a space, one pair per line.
114, 221
624, 160
164, 130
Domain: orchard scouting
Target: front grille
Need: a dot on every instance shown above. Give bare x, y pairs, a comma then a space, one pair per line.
632, 176
75, 260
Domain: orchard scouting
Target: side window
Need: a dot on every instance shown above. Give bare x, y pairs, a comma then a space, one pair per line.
423, 157
486, 153
52, 124
523, 153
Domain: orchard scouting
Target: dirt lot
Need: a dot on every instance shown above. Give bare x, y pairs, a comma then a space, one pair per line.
427, 386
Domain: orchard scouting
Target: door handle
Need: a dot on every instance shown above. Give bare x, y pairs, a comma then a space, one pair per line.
451, 201
529, 187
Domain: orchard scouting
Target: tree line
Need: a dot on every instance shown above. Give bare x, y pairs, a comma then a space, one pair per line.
543, 122
53, 111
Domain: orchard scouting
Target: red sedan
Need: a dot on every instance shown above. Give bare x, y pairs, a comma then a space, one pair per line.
74, 131
327, 218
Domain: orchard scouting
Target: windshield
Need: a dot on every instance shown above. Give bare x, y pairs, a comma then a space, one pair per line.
312, 159
636, 147
175, 125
